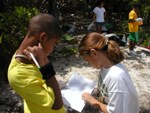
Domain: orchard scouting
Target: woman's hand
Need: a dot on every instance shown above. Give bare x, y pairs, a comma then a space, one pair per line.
88, 98
95, 103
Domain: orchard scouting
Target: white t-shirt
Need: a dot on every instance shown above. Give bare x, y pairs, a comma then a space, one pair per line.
99, 14
118, 90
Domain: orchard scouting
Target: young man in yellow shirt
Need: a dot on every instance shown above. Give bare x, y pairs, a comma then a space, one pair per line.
37, 85
133, 25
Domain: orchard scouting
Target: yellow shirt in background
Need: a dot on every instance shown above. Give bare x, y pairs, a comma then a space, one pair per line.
133, 26
27, 81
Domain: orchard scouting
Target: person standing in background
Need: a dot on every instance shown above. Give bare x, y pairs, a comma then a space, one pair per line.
133, 25
99, 15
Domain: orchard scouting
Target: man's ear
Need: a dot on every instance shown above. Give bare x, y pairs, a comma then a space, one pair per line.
93, 52
42, 37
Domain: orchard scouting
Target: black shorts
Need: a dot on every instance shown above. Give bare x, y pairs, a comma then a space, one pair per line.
99, 23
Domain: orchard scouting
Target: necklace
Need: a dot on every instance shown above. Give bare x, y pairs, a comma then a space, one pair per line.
20, 56
23, 56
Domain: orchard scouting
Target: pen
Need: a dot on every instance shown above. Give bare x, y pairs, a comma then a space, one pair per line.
35, 61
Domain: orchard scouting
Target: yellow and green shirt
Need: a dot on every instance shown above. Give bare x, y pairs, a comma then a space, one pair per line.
133, 26
27, 81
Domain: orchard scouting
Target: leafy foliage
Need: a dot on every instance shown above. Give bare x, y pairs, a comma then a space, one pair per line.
122, 26
146, 14
70, 48
13, 21
68, 51
12, 4
69, 39
13, 26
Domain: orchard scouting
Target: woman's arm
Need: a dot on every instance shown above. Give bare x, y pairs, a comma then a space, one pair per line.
94, 17
105, 14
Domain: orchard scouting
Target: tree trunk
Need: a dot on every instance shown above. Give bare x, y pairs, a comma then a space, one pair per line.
2, 7
52, 8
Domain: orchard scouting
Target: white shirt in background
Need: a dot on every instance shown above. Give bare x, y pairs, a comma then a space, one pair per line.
99, 12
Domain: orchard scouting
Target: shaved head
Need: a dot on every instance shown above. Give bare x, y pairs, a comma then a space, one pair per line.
44, 23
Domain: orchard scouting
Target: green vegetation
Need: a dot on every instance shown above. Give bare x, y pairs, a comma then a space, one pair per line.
14, 17
14, 27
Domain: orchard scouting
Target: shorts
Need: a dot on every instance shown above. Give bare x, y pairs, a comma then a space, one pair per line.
99, 23
134, 36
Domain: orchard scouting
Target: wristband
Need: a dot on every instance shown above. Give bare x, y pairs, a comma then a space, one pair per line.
47, 71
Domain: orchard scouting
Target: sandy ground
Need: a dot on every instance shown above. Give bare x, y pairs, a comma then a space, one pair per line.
138, 67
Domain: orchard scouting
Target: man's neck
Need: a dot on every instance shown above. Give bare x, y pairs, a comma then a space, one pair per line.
28, 41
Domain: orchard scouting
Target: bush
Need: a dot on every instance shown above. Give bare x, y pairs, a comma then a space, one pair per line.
13, 28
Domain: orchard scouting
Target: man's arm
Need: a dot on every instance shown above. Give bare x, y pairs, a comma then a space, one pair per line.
136, 20
52, 82
48, 73
131, 20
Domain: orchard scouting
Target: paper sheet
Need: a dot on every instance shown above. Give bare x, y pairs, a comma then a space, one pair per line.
76, 85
